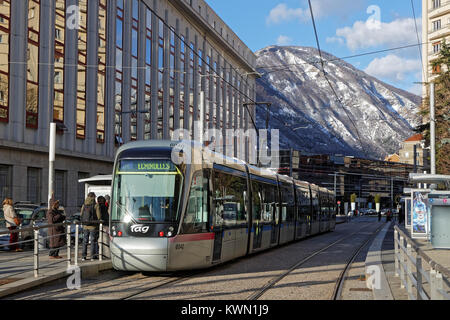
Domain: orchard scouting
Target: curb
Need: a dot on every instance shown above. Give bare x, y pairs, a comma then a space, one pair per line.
381, 291
88, 269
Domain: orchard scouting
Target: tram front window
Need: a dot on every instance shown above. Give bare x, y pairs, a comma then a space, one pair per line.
146, 191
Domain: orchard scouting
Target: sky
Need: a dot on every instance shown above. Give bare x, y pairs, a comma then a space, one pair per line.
345, 28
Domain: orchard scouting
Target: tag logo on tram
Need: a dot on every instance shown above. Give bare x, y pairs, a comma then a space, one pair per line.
139, 228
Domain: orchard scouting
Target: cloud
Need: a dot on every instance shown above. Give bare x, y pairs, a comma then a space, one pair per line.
322, 8
369, 34
281, 13
284, 40
393, 67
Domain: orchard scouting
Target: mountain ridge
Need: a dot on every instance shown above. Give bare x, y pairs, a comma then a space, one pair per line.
292, 80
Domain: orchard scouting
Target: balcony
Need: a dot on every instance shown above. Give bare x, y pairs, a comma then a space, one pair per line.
444, 31
439, 11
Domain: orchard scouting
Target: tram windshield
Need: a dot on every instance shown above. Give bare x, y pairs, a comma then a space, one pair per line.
146, 191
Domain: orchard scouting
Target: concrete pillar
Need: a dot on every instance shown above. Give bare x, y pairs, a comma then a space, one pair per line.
68, 139
140, 106
110, 77
91, 78
126, 63
17, 70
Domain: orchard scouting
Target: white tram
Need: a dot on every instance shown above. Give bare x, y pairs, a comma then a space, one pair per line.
173, 215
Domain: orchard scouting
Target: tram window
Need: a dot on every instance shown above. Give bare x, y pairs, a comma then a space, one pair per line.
304, 205
269, 202
257, 200
196, 217
288, 204
230, 197
316, 206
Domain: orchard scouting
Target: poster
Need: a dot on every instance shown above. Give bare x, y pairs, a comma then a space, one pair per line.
419, 223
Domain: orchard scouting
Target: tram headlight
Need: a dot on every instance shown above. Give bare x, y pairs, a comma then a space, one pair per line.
127, 219
170, 232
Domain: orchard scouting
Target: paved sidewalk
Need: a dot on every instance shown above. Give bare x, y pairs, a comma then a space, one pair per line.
439, 256
17, 269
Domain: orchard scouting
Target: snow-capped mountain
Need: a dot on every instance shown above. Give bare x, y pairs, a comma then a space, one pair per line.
308, 113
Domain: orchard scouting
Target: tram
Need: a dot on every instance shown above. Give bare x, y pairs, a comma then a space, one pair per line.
170, 213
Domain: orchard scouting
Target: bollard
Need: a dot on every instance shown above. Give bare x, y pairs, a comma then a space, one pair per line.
76, 243
100, 243
408, 270
36, 253
68, 245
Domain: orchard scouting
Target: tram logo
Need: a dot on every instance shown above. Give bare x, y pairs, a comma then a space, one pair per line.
139, 228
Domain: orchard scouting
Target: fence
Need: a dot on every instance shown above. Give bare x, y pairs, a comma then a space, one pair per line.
36, 238
423, 278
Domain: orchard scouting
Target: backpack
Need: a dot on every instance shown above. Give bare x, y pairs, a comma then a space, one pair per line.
104, 213
87, 216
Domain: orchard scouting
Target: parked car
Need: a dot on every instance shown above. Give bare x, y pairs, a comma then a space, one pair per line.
38, 218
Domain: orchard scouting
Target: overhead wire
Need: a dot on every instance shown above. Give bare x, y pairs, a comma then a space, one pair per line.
328, 81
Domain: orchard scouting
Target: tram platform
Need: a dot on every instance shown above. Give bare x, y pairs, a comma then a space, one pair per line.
382, 253
17, 274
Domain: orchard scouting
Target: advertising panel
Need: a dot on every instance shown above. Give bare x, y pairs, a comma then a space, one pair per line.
420, 215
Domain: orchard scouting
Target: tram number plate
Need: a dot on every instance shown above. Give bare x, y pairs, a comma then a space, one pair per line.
179, 246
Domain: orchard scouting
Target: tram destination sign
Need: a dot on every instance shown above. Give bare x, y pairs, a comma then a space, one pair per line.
154, 166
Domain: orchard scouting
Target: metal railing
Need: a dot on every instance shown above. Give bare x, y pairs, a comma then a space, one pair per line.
429, 281
34, 235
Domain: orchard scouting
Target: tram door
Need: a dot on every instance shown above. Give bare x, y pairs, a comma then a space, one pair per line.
275, 223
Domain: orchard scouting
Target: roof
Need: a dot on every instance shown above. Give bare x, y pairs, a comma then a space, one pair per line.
392, 158
416, 137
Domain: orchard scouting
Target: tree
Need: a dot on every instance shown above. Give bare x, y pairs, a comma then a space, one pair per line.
442, 110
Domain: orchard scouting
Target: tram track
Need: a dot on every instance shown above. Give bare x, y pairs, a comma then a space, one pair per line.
337, 292
339, 283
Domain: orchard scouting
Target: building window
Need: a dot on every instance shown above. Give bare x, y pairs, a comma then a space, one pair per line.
81, 81
436, 47
5, 182
61, 187
32, 65
34, 185
182, 79
148, 75
436, 4
101, 71
60, 21
437, 69
134, 69
119, 71
5, 13
161, 69
436, 25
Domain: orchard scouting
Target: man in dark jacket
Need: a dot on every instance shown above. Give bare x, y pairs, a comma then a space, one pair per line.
90, 226
56, 234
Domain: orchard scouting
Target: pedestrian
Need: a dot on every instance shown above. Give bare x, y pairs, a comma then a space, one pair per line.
379, 216
104, 213
90, 218
12, 222
56, 234
107, 201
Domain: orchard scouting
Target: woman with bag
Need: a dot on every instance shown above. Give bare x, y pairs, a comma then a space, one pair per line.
12, 222
56, 234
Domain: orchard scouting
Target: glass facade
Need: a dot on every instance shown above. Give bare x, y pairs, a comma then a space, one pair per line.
180, 67
101, 80
5, 14
119, 70
60, 22
81, 74
148, 75
32, 64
